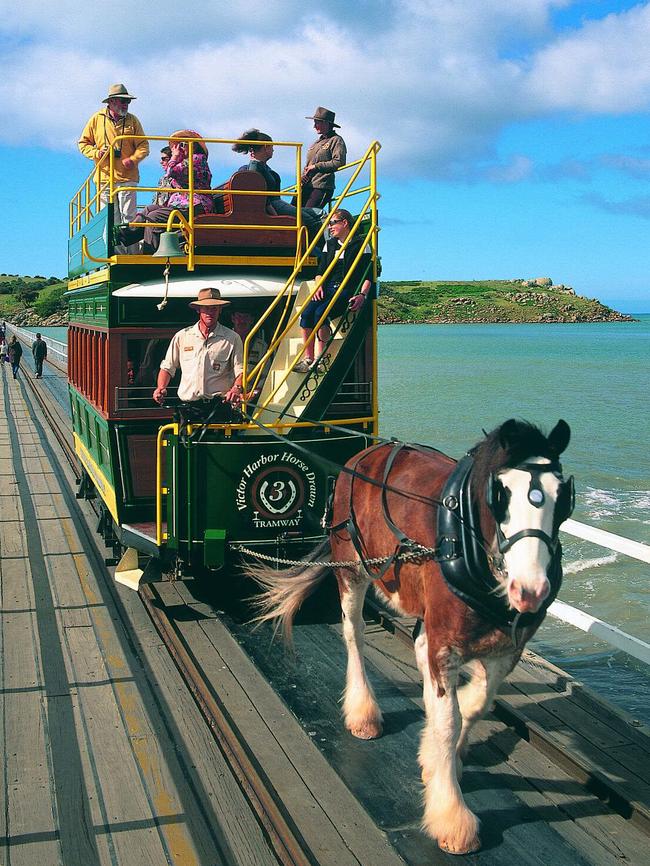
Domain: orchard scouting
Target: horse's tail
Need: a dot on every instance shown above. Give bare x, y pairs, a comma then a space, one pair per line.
284, 591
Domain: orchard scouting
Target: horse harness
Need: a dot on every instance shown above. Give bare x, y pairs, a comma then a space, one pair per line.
461, 551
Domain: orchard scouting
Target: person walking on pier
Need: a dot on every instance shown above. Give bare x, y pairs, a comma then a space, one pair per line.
39, 351
15, 352
3, 348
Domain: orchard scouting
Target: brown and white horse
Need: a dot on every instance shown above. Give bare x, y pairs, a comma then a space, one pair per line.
477, 609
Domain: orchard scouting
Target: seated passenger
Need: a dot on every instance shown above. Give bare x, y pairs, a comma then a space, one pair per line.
177, 172
260, 153
208, 354
161, 198
340, 225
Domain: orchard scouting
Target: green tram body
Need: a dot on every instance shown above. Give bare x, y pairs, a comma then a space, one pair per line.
183, 495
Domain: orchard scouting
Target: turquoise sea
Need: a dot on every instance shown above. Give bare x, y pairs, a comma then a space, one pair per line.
444, 384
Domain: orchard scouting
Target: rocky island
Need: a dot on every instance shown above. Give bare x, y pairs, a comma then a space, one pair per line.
36, 301
489, 301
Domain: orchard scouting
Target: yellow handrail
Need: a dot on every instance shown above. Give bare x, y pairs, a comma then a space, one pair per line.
370, 154
159, 492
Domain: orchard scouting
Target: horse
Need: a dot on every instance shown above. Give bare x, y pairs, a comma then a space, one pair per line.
478, 569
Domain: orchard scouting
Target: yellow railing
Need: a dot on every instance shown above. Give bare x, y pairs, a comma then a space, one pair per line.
85, 203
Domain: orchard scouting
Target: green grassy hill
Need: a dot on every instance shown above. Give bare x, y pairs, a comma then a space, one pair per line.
488, 301
33, 300
41, 296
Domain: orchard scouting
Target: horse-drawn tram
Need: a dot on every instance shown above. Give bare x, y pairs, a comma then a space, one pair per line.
294, 473
183, 488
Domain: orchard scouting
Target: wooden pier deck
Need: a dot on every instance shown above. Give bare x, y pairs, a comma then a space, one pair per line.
107, 759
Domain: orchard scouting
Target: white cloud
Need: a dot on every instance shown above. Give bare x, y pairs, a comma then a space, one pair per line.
434, 80
603, 67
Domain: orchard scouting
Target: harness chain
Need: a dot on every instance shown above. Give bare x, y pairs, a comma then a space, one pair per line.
424, 552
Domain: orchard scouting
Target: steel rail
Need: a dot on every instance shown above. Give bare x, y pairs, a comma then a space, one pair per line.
288, 846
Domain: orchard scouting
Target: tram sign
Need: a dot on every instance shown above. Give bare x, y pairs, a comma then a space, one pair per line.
274, 490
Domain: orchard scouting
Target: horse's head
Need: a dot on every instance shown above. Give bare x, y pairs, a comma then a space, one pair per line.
527, 499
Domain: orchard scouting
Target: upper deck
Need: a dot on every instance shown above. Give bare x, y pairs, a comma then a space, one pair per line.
238, 233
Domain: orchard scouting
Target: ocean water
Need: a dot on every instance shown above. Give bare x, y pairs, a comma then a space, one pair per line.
443, 384
55, 333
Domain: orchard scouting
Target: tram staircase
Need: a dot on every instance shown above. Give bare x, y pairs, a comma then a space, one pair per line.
310, 394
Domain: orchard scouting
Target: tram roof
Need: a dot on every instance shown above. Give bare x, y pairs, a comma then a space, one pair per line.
240, 285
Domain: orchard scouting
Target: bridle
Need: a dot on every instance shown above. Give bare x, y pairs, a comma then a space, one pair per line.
497, 498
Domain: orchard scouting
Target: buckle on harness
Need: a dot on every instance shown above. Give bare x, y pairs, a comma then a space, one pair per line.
447, 548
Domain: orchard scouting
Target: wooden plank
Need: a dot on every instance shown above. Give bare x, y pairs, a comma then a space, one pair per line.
580, 818
240, 837
602, 729
557, 679
613, 838
576, 752
117, 776
218, 817
13, 541
31, 823
334, 825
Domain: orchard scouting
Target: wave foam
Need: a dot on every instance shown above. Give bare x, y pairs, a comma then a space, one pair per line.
583, 564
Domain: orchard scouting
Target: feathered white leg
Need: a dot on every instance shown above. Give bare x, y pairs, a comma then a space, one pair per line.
360, 709
475, 697
446, 817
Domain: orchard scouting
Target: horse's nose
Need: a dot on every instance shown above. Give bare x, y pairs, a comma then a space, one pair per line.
528, 598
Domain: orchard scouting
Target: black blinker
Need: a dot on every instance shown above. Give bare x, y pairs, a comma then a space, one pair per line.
497, 498
566, 500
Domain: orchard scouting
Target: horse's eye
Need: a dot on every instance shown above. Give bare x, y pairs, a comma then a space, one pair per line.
536, 497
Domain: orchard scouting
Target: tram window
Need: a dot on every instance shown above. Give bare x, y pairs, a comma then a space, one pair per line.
141, 363
143, 357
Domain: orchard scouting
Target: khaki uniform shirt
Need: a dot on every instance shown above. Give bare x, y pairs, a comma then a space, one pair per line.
208, 366
101, 131
327, 154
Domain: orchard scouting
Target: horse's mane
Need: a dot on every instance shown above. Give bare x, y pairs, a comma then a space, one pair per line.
506, 446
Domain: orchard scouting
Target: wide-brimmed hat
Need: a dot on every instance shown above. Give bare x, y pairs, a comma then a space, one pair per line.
118, 91
189, 133
209, 298
323, 114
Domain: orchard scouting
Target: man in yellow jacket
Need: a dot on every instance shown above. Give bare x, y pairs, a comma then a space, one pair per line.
99, 137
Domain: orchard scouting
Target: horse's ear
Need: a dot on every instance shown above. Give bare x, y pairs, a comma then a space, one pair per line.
508, 433
559, 436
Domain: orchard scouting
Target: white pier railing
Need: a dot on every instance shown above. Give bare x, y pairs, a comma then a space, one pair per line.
55, 348
633, 646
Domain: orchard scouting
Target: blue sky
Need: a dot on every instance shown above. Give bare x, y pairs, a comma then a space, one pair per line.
515, 135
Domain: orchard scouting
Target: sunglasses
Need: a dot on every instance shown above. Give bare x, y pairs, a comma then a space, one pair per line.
336, 222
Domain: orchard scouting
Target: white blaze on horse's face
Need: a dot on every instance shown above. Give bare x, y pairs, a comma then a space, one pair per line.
528, 559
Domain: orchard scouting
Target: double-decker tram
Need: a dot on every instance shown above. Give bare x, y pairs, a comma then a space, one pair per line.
181, 486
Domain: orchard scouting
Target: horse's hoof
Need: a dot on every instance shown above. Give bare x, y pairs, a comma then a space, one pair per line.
367, 731
456, 831
452, 848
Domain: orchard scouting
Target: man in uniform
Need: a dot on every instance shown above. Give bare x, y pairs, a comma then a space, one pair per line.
209, 356
98, 138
